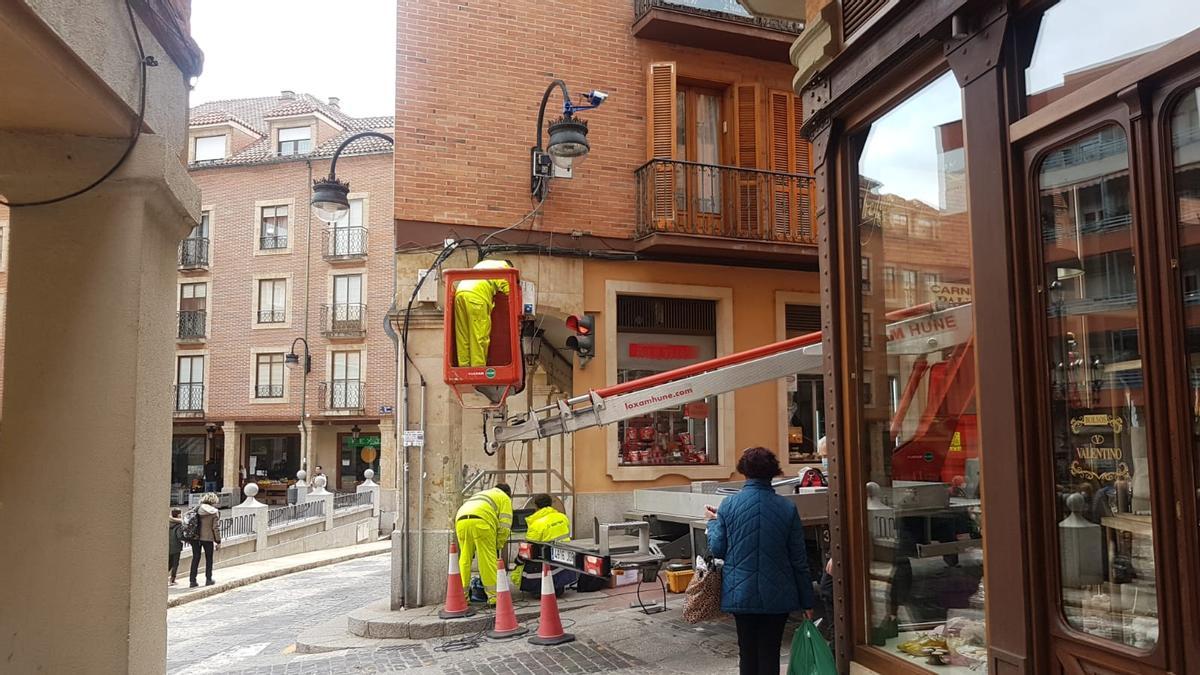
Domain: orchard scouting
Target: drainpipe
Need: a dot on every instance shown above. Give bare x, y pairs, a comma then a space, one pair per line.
421, 503
304, 426
400, 414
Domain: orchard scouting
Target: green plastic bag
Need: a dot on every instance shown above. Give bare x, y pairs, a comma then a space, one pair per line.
810, 653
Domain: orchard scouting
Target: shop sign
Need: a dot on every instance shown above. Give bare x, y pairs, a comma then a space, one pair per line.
663, 352
950, 294
1098, 448
363, 442
696, 411
930, 332
658, 352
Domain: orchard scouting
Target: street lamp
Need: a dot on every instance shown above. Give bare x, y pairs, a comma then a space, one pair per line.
568, 138
292, 361
330, 196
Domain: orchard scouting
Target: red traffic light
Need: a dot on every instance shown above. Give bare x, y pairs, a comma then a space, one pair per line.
581, 326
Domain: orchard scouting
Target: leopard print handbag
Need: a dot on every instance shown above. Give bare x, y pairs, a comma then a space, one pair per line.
702, 599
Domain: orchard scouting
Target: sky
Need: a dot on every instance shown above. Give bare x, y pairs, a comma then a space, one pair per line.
260, 47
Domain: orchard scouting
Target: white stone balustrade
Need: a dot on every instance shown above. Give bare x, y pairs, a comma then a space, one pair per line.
259, 511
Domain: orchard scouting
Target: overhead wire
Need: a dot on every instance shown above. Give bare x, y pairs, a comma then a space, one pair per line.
144, 63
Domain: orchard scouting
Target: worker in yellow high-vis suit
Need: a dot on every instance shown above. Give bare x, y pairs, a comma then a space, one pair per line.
483, 524
473, 303
546, 525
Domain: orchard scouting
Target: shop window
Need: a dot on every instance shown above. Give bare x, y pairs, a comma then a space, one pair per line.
1066, 55
655, 335
920, 449
805, 413
1099, 440
273, 458
359, 453
187, 463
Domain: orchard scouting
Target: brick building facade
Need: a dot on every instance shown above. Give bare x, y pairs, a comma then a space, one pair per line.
260, 272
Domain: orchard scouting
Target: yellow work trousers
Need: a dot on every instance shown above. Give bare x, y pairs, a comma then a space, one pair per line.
472, 330
477, 539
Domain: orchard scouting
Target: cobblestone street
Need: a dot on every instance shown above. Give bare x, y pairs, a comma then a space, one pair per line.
253, 630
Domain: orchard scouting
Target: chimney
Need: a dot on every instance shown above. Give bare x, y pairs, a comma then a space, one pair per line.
287, 95
335, 102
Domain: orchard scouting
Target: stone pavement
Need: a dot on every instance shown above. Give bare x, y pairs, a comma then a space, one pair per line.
248, 573
253, 630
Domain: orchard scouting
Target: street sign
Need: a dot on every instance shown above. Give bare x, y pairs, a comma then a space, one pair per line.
363, 442
414, 438
385, 410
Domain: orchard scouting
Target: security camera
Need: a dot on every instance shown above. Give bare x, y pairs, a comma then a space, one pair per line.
596, 97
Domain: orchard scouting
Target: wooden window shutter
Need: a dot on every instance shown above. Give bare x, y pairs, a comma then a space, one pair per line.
660, 144
808, 189
750, 209
782, 160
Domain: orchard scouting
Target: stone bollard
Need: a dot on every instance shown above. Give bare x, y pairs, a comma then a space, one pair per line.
369, 485
301, 486
319, 493
259, 510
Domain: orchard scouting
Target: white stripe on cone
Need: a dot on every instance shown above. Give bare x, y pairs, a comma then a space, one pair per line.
453, 559
547, 580
501, 577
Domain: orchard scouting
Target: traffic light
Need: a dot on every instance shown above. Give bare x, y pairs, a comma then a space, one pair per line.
583, 342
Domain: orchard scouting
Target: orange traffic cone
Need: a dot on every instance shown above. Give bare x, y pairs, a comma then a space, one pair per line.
506, 616
550, 629
456, 598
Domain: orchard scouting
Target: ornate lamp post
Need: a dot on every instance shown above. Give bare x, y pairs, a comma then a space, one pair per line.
292, 361
568, 138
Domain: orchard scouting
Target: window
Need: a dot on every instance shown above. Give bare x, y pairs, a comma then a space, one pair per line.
358, 455
922, 228
899, 221
346, 388
347, 299
804, 416
210, 148
348, 236
656, 334
697, 139
295, 140
273, 228
272, 300
889, 281
929, 281
200, 230
268, 381
868, 328
193, 299
866, 275
193, 250
917, 419
189, 384
273, 457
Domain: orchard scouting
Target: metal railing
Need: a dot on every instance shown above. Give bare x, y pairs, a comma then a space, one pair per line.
189, 398
344, 319
193, 253
192, 324
272, 315
344, 242
237, 526
271, 242
293, 512
711, 200
348, 500
342, 395
268, 391
722, 10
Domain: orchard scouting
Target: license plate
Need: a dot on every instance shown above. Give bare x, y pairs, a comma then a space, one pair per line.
560, 556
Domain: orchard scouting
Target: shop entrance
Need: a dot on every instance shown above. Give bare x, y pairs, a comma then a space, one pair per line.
1112, 213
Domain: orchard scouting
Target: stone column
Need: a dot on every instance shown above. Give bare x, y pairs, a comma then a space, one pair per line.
231, 468
389, 467
88, 371
259, 510
369, 485
319, 493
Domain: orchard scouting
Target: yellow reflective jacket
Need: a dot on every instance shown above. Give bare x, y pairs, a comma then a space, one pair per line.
547, 525
486, 289
494, 508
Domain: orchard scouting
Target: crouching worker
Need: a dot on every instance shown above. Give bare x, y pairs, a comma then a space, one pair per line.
546, 525
483, 524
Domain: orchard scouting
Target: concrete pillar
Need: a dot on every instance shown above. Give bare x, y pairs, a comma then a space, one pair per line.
231, 467
369, 485
259, 510
88, 367
319, 493
388, 466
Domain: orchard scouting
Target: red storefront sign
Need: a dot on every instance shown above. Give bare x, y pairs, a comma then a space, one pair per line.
663, 352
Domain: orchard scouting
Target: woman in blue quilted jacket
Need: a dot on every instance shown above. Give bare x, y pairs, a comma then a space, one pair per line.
761, 539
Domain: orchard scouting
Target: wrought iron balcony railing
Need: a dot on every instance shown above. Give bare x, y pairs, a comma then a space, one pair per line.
710, 200
272, 316
722, 10
192, 324
343, 243
343, 319
271, 242
268, 391
342, 395
193, 253
189, 399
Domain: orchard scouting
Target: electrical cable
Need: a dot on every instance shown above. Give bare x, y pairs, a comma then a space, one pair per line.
145, 62
529, 215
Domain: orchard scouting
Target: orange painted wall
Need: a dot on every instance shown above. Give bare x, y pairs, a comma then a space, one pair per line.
756, 409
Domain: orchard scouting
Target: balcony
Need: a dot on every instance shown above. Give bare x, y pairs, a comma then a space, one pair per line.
272, 316
268, 391
342, 396
189, 399
688, 208
718, 25
273, 242
344, 320
344, 243
192, 325
193, 253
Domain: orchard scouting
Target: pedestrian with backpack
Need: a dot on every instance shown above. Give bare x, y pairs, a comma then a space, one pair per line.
174, 543
202, 527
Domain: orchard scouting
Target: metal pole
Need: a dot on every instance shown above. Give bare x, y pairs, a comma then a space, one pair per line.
306, 450
421, 506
